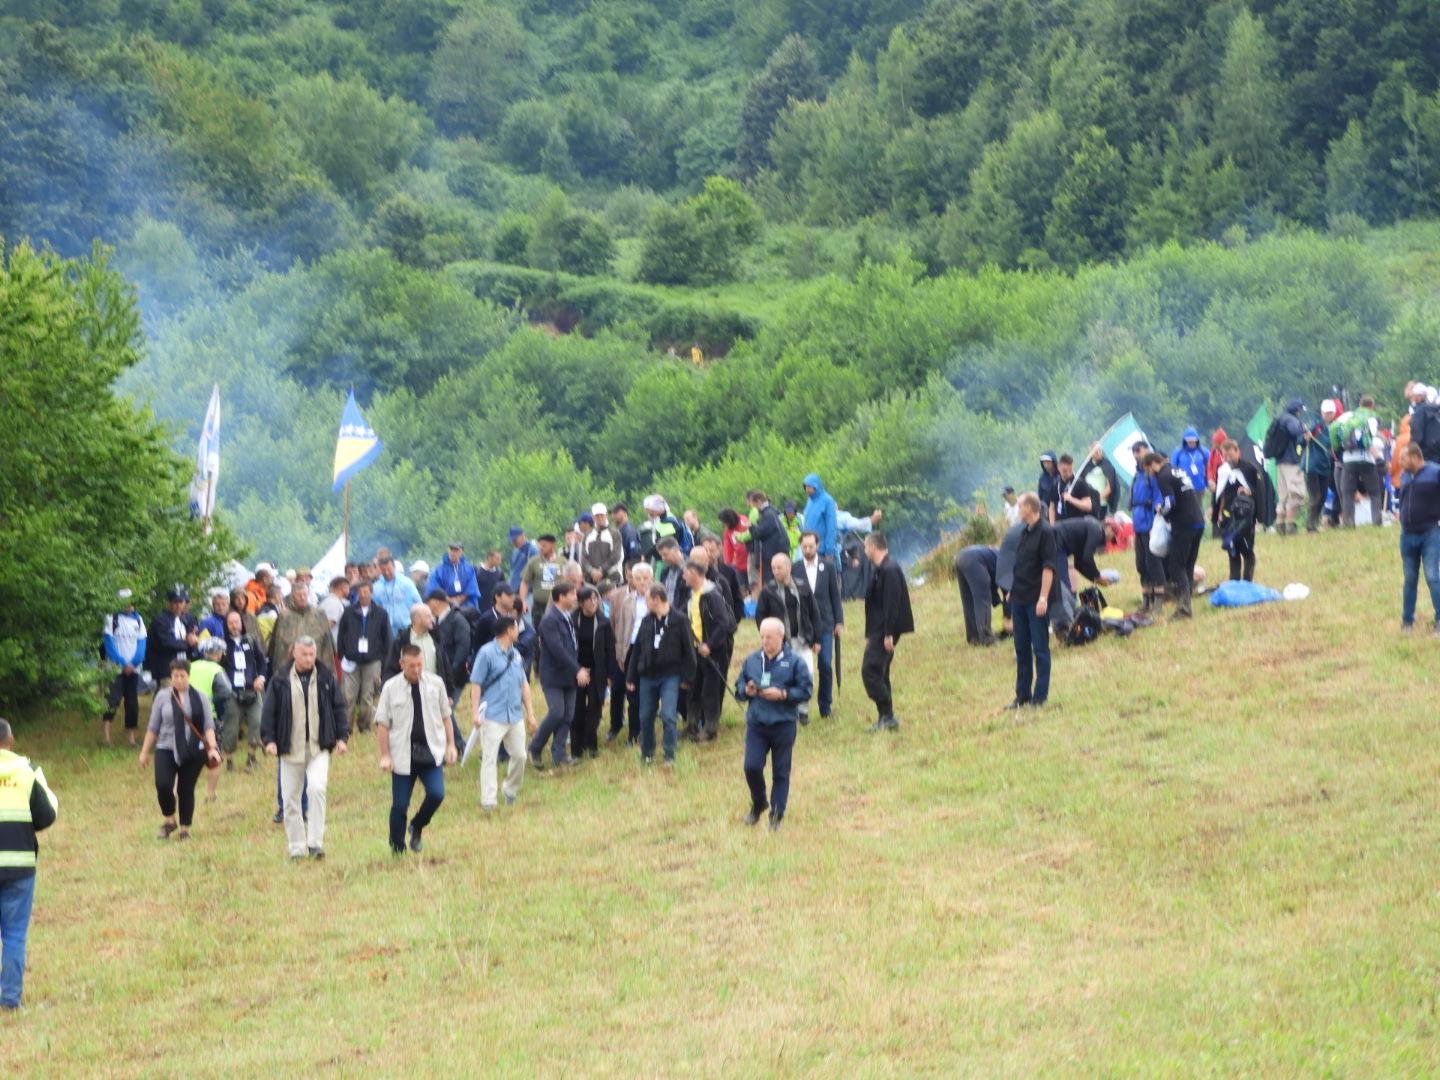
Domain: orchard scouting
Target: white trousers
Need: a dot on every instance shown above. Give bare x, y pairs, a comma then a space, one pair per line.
301, 832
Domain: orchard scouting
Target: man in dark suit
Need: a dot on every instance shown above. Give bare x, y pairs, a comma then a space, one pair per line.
787, 597
561, 676
824, 581
887, 617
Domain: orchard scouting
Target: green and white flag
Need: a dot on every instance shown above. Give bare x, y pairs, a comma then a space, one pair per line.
1117, 443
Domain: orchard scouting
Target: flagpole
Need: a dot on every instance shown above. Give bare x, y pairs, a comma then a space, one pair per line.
346, 531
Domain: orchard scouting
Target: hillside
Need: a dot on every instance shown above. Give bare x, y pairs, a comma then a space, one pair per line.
1214, 853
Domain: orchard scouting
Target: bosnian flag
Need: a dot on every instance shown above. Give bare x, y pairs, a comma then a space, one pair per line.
357, 446
207, 461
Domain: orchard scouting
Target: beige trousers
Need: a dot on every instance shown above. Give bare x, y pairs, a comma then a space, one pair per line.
492, 737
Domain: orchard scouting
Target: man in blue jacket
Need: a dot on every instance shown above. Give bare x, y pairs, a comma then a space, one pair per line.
125, 648
819, 515
1144, 498
456, 577
1193, 459
775, 682
522, 551
1419, 531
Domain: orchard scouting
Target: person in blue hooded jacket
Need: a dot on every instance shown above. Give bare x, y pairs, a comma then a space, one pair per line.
1144, 498
456, 577
819, 516
1194, 459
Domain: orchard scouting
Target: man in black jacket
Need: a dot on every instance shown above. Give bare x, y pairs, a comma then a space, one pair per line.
976, 567
452, 633
1180, 505
1077, 498
660, 663
712, 624
171, 636
362, 639
823, 578
1080, 538
1034, 587
303, 720
725, 573
561, 676
789, 599
767, 536
595, 652
887, 617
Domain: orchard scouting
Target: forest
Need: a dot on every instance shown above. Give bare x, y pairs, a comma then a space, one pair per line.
913, 243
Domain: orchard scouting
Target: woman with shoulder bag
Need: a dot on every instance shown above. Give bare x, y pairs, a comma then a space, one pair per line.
182, 735
247, 669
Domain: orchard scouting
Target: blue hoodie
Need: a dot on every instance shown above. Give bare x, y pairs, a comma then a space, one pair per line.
1144, 496
1192, 459
819, 517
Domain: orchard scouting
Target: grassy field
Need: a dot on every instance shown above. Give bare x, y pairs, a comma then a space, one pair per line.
1214, 855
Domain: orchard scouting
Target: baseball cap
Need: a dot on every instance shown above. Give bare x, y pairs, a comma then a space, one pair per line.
587, 518
420, 566
516, 532
598, 508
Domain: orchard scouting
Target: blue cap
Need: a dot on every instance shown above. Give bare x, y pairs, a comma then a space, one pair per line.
587, 518
516, 532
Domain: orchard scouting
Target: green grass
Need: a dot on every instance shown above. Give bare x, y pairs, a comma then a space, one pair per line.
1215, 855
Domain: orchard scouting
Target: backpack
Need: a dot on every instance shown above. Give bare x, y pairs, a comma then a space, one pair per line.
1355, 433
1086, 627
1092, 598
1427, 419
646, 541
1277, 440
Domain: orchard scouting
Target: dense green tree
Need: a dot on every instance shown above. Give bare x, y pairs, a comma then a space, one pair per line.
1086, 222
1251, 109
87, 479
1347, 174
790, 75
484, 62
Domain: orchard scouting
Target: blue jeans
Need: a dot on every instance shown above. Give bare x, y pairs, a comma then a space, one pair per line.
661, 694
778, 742
401, 788
1417, 549
825, 665
16, 899
1032, 654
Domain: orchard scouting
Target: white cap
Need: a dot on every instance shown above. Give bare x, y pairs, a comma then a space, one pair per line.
264, 567
598, 509
290, 575
1328, 406
420, 566
399, 567
124, 594
655, 503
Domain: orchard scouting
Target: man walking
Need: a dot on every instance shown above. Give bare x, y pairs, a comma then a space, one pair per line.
561, 677
1144, 499
417, 741
661, 662
766, 536
628, 609
1289, 432
541, 574
1354, 439
1419, 532
712, 623
363, 639
522, 550
125, 648
790, 600
27, 806
502, 709
303, 721
172, 635
1034, 589
595, 652
776, 683
302, 619
396, 593
823, 578
1319, 465
1180, 506
887, 617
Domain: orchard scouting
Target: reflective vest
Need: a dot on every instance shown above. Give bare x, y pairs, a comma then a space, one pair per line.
203, 674
17, 827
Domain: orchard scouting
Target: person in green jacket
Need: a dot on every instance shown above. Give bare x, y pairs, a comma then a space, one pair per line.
27, 806
208, 676
794, 526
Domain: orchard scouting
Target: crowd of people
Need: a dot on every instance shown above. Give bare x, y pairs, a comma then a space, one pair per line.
608, 620
1327, 468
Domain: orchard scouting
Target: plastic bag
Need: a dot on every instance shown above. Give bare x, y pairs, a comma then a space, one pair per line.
1160, 537
1242, 594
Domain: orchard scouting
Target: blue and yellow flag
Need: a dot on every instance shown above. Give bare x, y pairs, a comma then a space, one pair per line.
357, 446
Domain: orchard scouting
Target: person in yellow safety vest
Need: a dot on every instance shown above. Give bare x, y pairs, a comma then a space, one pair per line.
27, 806
207, 676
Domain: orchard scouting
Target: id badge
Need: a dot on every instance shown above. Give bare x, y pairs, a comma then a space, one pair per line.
362, 646
455, 585
239, 679
765, 680
240, 660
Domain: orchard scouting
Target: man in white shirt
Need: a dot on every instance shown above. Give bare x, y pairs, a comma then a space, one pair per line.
417, 741
334, 603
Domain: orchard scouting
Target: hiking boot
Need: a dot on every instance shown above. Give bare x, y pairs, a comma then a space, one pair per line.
885, 723
166, 829
775, 820
415, 844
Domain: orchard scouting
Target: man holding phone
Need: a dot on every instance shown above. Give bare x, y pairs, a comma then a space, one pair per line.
775, 682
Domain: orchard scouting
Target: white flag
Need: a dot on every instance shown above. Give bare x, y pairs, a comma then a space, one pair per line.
330, 565
207, 461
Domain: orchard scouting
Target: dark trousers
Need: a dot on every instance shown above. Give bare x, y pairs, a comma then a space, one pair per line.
589, 702
559, 715
125, 688
1316, 487
620, 699
401, 789
1242, 556
875, 675
825, 668
707, 695
1032, 654
172, 779
1150, 567
778, 742
975, 594
1358, 476
1180, 564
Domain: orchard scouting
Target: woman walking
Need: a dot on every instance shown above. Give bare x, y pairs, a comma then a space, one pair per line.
182, 736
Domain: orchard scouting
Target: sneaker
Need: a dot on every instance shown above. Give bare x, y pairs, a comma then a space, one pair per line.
509, 800
775, 820
317, 853
1016, 704
754, 815
296, 856
647, 761
279, 818
885, 723
415, 844
166, 828
669, 761
183, 834
1407, 628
